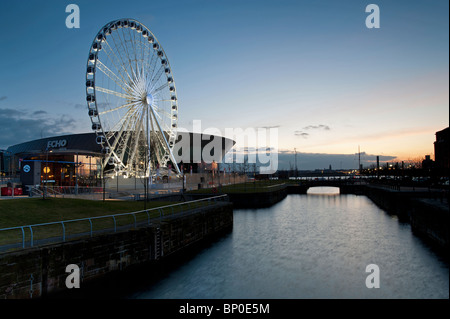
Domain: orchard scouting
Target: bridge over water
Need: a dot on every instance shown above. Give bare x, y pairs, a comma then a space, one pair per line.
345, 186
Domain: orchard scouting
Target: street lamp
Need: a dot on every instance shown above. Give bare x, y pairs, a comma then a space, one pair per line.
46, 170
45, 174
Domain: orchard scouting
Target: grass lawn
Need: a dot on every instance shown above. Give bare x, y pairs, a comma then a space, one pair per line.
30, 211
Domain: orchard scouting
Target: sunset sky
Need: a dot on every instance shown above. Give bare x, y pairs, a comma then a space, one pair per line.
310, 69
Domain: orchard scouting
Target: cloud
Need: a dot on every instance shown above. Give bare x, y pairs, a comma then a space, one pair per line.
302, 134
251, 150
285, 152
71, 104
317, 127
20, 126
2, 98
311, 127
36, 113
269, 127
100, 105
10, 113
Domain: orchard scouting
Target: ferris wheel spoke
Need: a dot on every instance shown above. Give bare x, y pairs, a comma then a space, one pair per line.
153, 66
158, 155
150, 64
115, 60
157, 74
159, 112
162, 87
124, 64
118, 108
132, 50
122, 68
107, 91
168, 115
138, 80
138, 134
122, 54
159, 116
143, 55
165, 141
135, 50
123, 146
119, 124
119, 134
127, 53
119, 81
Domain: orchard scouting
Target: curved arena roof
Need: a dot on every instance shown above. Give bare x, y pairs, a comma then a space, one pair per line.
85, 144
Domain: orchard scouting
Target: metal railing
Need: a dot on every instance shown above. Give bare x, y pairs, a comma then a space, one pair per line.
250, 186
153, 214
63, 190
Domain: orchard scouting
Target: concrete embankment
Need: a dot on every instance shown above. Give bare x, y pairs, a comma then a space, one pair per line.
258, 199
430, 218
248, 198
41, 271
426, 211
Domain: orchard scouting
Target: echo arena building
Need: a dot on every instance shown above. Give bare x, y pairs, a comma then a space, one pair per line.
76, 159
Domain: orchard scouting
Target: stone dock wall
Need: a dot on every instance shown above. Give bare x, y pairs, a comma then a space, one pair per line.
39, 271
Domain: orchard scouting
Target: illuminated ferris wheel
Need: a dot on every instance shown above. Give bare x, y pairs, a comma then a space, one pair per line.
131, 97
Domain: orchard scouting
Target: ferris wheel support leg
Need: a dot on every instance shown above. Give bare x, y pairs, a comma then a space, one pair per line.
150, 179
172, 158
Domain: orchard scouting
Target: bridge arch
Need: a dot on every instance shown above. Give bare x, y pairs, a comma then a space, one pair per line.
344, 186
323, 190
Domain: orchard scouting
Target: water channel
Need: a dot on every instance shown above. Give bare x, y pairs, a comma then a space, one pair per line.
309, 246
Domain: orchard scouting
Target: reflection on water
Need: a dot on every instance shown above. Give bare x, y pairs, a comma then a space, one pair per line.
323, 190
310, 246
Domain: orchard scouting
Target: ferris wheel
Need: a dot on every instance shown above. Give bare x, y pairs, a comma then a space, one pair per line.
131, 98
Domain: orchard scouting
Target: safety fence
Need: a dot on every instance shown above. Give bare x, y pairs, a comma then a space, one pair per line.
61, 231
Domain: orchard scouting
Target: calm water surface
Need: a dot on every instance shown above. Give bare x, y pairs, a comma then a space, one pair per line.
310, 246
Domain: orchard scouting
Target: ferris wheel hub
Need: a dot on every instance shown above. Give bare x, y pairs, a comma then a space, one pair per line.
149, 99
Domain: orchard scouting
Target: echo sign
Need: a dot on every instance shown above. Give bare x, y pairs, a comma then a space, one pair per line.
56, 143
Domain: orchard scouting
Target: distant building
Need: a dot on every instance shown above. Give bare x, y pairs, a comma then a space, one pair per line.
427, 163
442, 149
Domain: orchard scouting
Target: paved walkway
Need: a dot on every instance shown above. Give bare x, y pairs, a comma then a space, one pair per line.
14, 197
407, 188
